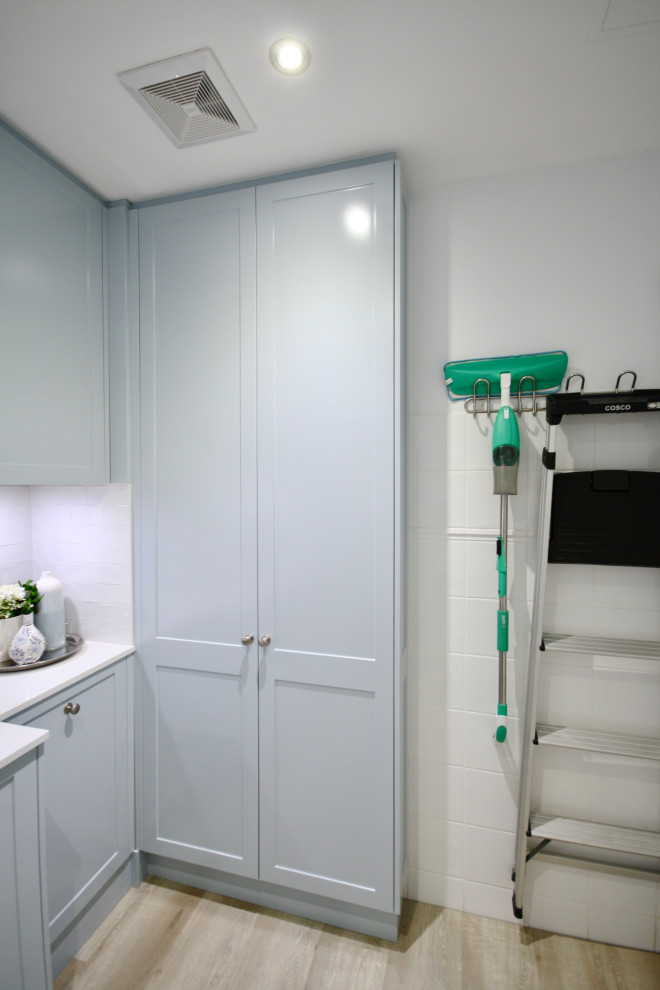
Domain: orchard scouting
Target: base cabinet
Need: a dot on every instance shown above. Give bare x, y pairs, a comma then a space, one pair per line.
88, 806
270, 537
24, 951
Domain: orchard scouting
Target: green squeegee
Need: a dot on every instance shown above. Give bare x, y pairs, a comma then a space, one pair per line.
525, 373
547, 369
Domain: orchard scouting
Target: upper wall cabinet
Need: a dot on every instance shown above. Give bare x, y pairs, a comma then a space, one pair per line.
52, 373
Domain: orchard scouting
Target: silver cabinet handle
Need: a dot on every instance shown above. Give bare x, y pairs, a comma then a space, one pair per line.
71, 708
264, 640
246, 640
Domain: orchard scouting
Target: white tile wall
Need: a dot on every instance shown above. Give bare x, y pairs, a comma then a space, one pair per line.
83, 535
15, 535
468, 301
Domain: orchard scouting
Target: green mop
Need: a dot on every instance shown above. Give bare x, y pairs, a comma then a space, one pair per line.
527, 373
506, 456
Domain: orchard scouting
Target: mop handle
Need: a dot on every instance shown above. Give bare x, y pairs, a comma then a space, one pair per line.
502, 618
503, 614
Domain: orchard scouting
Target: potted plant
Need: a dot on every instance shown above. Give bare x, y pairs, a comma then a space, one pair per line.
16, 600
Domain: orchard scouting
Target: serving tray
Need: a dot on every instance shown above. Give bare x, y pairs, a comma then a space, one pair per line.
71, 646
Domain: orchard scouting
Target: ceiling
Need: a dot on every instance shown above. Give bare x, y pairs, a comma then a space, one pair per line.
457, 88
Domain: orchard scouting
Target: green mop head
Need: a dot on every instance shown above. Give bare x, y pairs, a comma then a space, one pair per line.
547, 369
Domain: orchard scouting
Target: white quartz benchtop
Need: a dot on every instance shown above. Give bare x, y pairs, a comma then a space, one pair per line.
16, 740
24, 688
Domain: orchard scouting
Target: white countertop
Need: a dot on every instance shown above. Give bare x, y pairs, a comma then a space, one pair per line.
15, 740
24, 688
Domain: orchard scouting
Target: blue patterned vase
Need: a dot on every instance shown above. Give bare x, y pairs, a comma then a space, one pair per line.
28, 644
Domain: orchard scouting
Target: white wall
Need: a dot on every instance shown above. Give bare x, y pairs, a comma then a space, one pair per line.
83, 535
557, 258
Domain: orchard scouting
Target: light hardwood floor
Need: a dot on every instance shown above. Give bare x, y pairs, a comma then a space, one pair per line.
163, 936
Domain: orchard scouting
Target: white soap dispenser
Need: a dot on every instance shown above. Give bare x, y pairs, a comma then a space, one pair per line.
50, 617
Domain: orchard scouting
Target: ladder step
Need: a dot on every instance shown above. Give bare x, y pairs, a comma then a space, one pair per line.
640, 747
638, 649
612, 837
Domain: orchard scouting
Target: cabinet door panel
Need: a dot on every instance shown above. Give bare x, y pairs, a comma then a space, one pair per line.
24, 962
326, 788
51, 296
199, 759
198, 533
326, 531
321, 414
87, 829
10, 876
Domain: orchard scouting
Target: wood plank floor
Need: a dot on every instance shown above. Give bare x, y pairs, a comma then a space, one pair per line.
164, 936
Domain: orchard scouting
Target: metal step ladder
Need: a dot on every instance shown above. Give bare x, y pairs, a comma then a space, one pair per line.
578, 530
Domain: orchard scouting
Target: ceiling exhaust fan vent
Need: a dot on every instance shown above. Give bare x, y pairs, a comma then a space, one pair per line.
190, 98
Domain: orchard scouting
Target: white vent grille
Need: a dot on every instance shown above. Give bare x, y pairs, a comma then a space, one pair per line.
190, 98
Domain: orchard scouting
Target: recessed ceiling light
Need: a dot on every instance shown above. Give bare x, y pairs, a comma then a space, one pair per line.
290, 56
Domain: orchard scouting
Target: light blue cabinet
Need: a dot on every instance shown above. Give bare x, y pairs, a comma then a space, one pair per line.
270, 536
52, 374
24, 951
326, 394
197, 533
88, 803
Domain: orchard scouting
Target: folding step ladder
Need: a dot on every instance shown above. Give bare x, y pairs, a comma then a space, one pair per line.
582, 533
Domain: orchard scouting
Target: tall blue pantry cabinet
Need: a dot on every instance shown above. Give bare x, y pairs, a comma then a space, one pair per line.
270, 542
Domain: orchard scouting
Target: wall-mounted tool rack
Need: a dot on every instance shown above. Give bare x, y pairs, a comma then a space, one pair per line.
527, 399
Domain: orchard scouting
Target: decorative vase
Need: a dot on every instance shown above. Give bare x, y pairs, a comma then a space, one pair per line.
8, 629
28, 644
50, 618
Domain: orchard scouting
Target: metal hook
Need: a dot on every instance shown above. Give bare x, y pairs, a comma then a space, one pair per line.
571, 377
474, 396
634, 377
533, 409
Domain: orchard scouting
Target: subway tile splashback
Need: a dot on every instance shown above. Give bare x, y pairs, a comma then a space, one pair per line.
15, 534
83, 534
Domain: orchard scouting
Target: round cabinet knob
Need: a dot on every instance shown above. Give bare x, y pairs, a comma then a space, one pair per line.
71, 708
246, 640
264, 640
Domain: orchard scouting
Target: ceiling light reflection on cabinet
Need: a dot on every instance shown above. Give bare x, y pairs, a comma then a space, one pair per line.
357, 220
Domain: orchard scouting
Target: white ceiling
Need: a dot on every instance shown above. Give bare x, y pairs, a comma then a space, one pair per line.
457, 88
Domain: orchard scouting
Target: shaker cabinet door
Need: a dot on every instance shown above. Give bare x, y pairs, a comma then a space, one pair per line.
52, 373
326, 533
89, 835
197, 531
24, 951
